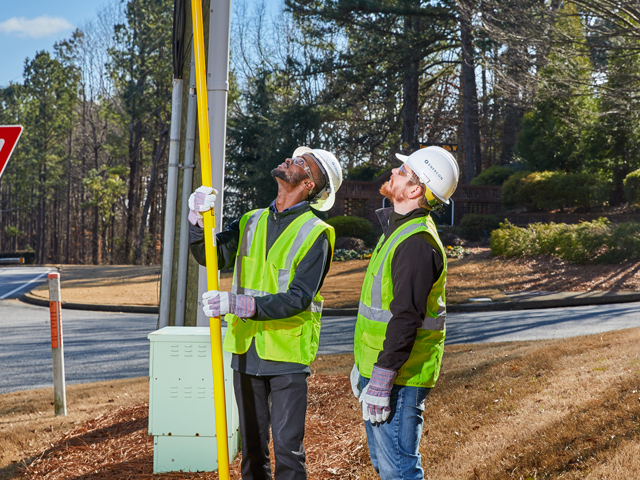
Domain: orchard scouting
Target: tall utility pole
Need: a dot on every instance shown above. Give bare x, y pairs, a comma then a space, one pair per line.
217, 90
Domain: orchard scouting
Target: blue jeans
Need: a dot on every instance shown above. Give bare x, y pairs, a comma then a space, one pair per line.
393, 445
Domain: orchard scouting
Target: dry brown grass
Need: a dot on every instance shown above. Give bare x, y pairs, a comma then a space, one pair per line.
480, 275
557, 409
107, 284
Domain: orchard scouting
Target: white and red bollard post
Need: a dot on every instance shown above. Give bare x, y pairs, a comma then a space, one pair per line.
55, 300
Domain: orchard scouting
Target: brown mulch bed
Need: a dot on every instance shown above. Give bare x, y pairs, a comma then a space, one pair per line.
117, 445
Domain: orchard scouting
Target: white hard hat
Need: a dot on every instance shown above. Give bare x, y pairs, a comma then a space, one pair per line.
436, 168
332, 171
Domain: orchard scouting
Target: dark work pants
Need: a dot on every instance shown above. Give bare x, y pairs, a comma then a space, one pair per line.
280, 402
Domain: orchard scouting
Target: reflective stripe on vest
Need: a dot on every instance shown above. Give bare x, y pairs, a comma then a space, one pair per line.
245, 246
381, 315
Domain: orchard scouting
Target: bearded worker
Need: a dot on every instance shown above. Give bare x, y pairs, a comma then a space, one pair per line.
400, 330
280, 256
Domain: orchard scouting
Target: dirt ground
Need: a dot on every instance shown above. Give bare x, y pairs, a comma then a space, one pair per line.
558, 409
476, 275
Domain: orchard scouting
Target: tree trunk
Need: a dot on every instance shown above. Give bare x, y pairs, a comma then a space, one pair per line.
513, 115
151, 189
103, 244
54, 231
135, 141
410, 91
152, 255
471, 129
40, 226
95, 237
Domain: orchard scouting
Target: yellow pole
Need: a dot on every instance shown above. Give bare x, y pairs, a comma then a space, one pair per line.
209, 242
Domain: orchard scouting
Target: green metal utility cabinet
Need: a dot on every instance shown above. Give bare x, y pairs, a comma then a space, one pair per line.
181, 405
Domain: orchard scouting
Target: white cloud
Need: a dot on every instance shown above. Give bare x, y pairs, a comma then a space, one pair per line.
42, 26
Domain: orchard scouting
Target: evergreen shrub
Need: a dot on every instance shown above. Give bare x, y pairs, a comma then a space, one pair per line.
631, 185
598, 241
346, 226
512, 241
546, 235
516, 191
583, 242
349, 243
624, 243
477, 227
494, 175
545, 191
582, 190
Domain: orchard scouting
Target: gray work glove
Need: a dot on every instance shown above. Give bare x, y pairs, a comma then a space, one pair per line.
202, 200
376, 396
355, 381
218, 304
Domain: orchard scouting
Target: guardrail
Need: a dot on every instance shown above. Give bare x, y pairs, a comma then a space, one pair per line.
11, 260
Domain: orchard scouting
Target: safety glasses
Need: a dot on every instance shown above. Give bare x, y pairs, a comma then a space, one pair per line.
410, 175
302, 163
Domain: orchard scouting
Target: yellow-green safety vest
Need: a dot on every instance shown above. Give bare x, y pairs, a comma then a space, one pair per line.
293, 339
423, 366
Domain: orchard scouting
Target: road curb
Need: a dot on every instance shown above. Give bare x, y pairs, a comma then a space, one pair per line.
520, 302
33, 300
550, 300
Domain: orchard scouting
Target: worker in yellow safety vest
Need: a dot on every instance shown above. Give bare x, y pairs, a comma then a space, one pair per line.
400, 329
280, 256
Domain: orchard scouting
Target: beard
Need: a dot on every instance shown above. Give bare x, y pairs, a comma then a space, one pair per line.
292, 178
395, 194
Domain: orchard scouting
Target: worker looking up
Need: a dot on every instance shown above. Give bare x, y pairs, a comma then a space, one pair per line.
281, 256
399, 336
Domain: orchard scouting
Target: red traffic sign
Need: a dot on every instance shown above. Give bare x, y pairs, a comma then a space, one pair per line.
9, 135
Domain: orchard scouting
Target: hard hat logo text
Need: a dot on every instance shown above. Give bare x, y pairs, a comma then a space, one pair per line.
432, 168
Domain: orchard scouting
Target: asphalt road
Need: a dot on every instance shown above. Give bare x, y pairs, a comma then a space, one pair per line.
516, 325
97, 346
104, 346
541, 324
16, 281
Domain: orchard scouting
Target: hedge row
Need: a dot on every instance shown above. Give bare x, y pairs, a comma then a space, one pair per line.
475, 226
494, 175
545, 191
356, 227
631, 187
598, 241
555, 190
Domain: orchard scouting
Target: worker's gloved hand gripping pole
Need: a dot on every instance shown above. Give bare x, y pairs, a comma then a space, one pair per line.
209, 241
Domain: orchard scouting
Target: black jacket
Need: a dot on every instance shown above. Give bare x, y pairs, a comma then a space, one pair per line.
308, 279
415, 267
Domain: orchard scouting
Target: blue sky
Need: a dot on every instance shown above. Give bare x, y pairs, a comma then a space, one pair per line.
28, 26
